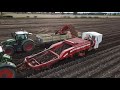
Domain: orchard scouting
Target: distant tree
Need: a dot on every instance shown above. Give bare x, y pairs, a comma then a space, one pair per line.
52, 12
47, 12
1, 13
75, 13
62, 12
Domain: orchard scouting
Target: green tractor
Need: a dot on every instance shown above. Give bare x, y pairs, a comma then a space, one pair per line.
7, 68
20, 42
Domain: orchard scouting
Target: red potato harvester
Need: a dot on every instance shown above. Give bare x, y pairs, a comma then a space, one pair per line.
61, 50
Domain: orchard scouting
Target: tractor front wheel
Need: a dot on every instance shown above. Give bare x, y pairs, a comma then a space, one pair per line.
7, 72
28, 46
9, 50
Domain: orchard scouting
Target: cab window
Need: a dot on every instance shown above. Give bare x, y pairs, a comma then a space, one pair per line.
20, 37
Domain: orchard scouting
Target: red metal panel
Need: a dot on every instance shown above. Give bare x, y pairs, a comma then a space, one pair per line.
77, 41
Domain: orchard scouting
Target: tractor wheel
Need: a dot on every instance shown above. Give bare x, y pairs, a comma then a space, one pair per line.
7, 72
9, 50
28, 46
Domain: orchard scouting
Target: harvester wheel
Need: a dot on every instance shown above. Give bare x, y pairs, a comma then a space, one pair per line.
28, 46
9, 50
7, 72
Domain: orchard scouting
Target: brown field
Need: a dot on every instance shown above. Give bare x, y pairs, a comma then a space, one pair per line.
105, 62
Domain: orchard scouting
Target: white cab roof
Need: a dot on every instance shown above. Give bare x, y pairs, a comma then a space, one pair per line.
94, 33
21, 32
1, 50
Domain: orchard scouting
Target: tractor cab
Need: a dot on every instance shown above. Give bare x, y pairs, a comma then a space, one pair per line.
20, 35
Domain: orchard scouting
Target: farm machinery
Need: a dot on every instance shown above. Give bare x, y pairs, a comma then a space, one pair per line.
61, 50
69, 44
7, 68
20, 42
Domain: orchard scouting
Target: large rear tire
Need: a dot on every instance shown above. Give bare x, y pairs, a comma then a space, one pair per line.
9, 50
28, 46
7, 72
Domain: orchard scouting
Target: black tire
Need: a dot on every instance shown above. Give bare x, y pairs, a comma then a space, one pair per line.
7, 72
9, 50
28, 46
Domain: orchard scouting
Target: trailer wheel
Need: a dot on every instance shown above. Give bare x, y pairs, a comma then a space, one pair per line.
7, 72
28, 46
9, 50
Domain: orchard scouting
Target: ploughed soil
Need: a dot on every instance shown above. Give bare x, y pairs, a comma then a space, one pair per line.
104, 62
